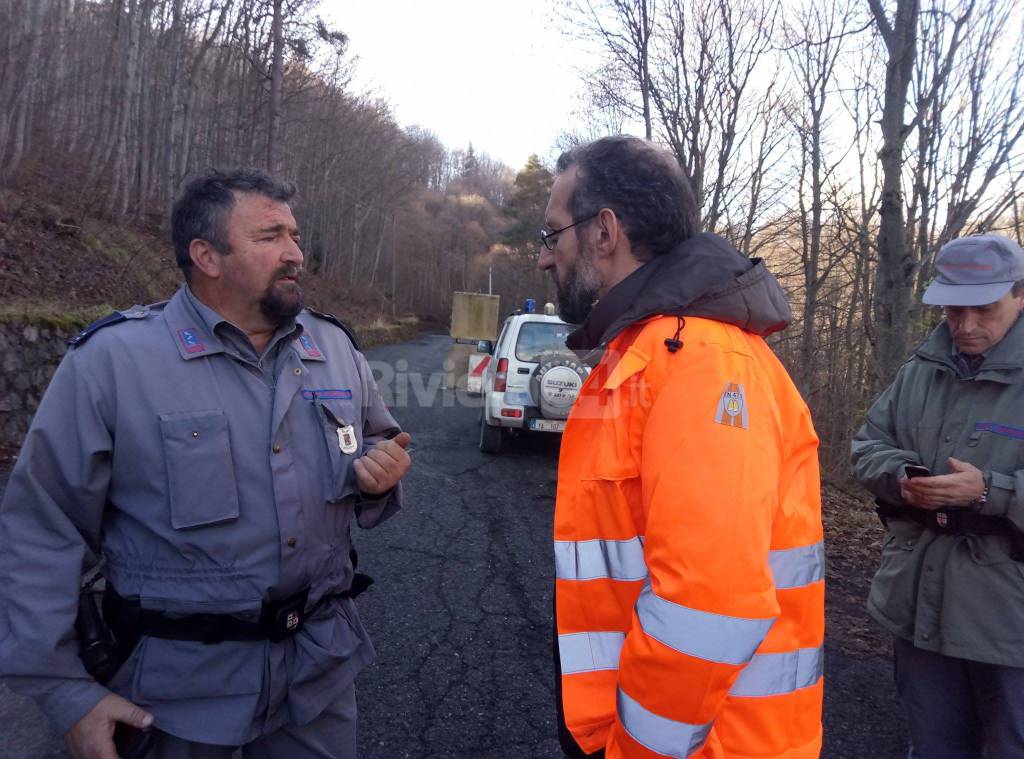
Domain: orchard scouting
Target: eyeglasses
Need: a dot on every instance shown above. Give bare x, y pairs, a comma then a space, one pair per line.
549, 239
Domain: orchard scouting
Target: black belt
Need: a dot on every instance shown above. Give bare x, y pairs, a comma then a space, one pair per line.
278, 620
956, 521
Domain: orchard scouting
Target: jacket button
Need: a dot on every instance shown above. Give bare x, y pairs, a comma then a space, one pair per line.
292, 542
909, 543
926, 636
948, 438
276, 448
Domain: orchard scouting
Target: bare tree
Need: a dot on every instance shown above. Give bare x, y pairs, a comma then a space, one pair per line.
21, 86
897, 266
624, 29
276, 77
815, 47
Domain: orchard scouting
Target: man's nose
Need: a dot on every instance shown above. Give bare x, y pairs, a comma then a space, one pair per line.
292, 253
546, 259
968, 321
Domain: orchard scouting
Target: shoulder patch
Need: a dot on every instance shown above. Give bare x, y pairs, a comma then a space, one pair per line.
732, 407
135, 312
337, 323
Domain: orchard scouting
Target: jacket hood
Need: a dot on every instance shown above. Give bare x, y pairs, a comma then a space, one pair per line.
703, 276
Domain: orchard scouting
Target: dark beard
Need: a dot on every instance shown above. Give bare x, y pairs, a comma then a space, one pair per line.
282, 301
576, 297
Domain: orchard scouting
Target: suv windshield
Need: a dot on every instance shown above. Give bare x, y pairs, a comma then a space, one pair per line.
537, 338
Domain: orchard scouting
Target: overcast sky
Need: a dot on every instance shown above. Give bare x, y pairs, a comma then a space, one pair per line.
495, 72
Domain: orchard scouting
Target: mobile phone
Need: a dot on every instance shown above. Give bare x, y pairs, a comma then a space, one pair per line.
913, 470
132, 743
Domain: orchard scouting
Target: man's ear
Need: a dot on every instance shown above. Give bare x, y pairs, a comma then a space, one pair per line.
204, 258
608, 231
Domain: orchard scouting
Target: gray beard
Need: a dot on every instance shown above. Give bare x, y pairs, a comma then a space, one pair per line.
579, 292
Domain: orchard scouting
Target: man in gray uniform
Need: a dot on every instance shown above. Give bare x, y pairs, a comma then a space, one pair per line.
943, 450
214, 450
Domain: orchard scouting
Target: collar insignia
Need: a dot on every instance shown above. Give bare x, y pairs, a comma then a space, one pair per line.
309, 347
190, 340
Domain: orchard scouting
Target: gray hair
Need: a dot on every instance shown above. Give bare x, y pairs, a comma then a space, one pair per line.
642, 183
202, 209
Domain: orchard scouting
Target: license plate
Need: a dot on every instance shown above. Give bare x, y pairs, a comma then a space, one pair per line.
547, 425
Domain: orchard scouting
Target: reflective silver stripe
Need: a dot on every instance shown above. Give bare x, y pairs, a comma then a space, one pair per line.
776, 674
712, 637
660, 734
796, 567
596, 559
589, 651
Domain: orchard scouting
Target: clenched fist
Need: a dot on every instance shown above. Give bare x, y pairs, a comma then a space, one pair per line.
383, 465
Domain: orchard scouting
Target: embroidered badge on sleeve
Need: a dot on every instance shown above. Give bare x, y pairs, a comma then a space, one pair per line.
732, 407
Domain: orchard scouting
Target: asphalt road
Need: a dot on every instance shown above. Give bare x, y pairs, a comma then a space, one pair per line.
461, 610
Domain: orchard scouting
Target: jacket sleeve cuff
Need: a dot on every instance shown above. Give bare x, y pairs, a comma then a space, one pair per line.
69, 701
372, 510
1001, 494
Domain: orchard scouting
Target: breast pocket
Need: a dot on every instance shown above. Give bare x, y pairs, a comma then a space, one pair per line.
200, 471
999, 447
340, 476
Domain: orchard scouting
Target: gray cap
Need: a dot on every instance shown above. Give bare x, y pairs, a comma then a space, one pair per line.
975, 271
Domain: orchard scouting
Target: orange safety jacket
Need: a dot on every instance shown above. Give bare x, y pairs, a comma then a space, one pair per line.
688, 551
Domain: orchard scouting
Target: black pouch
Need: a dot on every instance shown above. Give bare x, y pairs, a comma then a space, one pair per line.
97, 647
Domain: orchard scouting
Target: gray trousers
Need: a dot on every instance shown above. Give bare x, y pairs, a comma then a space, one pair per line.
332, 735
959, 709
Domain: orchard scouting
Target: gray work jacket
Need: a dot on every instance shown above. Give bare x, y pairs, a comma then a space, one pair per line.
960, 596
208, 484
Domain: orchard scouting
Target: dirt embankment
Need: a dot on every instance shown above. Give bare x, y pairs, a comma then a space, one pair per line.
57, 263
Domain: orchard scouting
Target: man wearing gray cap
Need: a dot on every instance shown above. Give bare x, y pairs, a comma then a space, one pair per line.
942, 449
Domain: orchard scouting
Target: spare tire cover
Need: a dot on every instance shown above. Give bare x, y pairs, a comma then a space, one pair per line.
555, 384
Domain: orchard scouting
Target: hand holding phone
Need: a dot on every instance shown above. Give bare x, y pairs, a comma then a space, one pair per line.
914, 470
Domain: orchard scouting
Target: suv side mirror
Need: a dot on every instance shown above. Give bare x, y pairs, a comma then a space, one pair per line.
485, 346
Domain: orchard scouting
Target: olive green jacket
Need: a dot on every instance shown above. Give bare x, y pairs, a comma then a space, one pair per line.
955, 595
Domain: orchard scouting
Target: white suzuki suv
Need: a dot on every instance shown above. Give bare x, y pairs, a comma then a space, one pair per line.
531, 380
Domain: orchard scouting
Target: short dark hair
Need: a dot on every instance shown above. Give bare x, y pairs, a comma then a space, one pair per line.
202, 209
642, 183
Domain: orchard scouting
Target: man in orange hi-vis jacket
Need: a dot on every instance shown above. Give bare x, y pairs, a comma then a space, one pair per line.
689, 561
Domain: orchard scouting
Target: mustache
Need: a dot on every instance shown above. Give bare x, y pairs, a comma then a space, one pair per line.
289, 270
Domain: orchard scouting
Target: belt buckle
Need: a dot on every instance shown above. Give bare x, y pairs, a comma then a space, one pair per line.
944, 521
287, 617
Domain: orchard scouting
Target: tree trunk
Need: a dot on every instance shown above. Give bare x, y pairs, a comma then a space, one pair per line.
175, 104
895, 279
276, 77
22, 105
